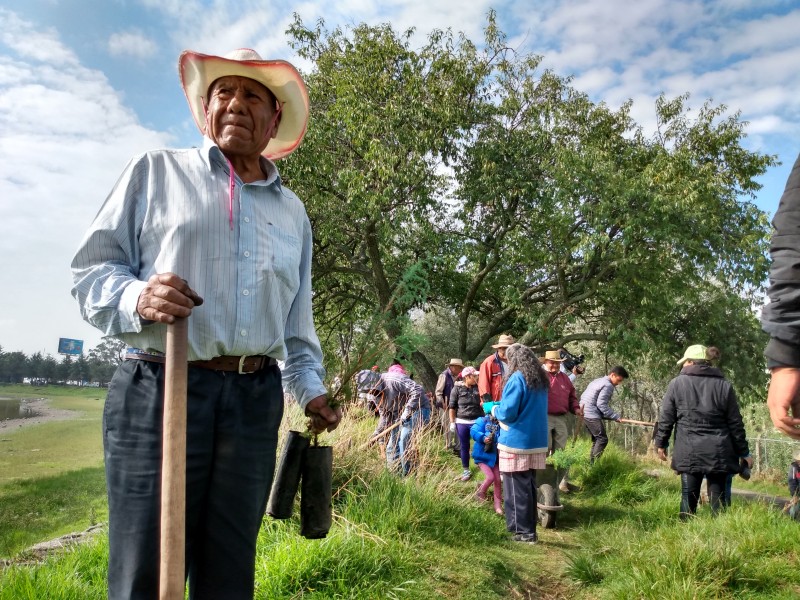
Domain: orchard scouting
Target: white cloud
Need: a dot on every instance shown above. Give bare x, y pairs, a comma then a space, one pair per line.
43, 47
66, 133
131, 43
64, 138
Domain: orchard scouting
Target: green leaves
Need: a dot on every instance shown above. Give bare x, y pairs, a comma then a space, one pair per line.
510, 201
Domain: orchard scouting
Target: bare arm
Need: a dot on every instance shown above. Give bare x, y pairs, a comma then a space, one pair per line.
782, 399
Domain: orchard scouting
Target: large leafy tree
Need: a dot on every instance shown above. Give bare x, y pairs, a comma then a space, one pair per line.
473, 185
385, 120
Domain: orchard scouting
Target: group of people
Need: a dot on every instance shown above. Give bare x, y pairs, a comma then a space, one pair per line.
514, 409
211, 234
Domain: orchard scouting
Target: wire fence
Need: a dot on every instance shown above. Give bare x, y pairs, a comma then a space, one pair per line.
771, 451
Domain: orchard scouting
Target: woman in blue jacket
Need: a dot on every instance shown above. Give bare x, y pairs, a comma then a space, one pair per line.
484, 452
522, 413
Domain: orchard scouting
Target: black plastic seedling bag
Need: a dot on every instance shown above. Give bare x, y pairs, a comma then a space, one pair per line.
287, 478
316, 491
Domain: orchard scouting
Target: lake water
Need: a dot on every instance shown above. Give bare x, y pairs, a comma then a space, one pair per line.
12, 408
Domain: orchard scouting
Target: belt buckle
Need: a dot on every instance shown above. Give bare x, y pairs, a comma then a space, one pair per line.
241, 366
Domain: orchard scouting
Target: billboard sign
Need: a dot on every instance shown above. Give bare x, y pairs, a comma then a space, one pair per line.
69, 346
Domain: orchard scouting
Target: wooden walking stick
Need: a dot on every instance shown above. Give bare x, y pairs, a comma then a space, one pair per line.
173, 469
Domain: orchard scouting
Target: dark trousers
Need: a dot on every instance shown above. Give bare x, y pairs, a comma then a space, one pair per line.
597, 429
690, 491
462, 429
520, 501
231, 440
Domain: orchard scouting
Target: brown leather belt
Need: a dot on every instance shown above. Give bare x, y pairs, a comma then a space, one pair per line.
238, 364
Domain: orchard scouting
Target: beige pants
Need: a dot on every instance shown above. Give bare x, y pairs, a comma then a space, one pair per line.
558, 428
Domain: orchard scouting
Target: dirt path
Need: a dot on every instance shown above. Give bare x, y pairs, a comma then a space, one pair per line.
43, 412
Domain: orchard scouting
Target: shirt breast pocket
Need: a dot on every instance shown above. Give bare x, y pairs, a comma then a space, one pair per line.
283, 258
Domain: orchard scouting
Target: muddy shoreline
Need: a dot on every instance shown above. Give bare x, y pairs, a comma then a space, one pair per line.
44, 413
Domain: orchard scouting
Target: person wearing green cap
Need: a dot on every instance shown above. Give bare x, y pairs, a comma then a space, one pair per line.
700, 406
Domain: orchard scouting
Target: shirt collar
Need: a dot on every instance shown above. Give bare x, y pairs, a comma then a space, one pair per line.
212, 155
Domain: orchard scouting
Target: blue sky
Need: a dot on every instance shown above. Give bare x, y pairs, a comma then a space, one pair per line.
85, 85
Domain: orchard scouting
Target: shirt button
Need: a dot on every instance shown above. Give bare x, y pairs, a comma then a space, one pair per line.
247, 219
247, 254
243, 332
245, 292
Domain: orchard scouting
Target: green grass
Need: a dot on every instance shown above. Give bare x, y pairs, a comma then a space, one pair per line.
632, 545
77, 574
425, 537
43, 508
55, 447
51, 391
51, 475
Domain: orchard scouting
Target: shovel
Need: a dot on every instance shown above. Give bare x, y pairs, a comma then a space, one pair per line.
173, 470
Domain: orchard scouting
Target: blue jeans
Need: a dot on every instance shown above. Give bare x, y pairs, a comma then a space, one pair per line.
231, 439
393, 447
418, 420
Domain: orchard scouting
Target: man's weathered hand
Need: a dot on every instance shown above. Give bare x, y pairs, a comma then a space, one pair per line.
167, 297
783, 398
662, 454
322, 416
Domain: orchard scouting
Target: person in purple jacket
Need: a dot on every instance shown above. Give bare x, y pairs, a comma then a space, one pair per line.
595, 405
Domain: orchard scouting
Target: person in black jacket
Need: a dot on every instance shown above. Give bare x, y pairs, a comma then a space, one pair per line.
465, 408
781, 317
701, 407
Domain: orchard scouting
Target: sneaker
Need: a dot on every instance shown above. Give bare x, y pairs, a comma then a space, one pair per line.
528, 538
466, 475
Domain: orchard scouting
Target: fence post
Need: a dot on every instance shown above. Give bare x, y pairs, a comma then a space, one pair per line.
757, 461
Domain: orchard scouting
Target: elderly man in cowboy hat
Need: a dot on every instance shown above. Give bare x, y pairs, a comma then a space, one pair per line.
208, 233
561, 401
444, 385
492, 369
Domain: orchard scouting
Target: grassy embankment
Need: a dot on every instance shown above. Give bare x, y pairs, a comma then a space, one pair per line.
425, 537
51, 474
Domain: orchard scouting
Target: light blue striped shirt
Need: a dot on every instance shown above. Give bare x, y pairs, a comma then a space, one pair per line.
169, 212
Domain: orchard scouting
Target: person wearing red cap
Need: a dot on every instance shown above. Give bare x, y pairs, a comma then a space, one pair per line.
211, 234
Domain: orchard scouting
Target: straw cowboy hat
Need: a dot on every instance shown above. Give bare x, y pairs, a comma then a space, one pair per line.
553, 355
504, 341
455, 362
199, 71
